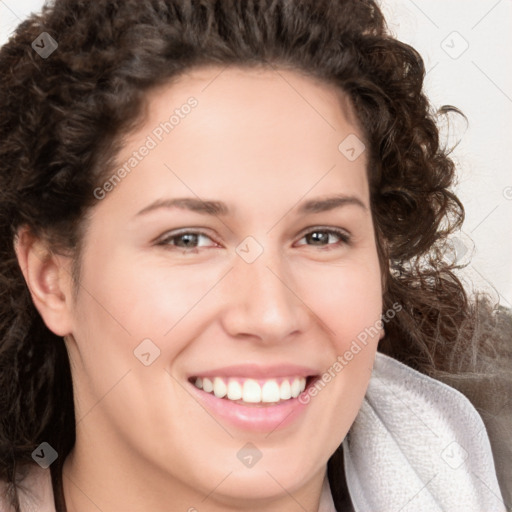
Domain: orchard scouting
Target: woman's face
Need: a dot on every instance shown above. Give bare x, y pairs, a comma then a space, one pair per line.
252, 294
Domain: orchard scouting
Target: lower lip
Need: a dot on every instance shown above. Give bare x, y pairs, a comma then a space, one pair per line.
266, 418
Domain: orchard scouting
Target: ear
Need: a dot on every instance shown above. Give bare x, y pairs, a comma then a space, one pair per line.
48, 280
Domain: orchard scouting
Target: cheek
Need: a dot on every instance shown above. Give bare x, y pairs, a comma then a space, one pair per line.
347, 297
348, 301
130, 299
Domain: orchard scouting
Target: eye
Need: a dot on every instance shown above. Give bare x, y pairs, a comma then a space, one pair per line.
320, 236
189, 240
185, 239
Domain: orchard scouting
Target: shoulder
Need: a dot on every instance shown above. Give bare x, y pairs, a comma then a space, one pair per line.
35, 491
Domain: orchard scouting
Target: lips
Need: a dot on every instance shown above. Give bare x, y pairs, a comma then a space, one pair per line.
255, 371
254, 397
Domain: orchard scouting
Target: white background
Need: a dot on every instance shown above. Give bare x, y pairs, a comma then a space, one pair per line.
466, 46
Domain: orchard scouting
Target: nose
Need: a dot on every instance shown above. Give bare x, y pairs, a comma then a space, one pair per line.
263, 300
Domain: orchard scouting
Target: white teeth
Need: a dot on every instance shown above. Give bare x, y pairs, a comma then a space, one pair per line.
285, 390
219, 388
270, 392
234, 390
250, 390
207, 385
295, 388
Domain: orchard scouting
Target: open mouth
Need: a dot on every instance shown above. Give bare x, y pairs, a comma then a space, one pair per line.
254, 392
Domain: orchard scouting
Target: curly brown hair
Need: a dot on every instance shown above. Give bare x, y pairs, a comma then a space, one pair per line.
63, 120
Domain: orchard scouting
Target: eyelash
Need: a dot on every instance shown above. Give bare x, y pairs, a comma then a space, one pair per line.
343, 235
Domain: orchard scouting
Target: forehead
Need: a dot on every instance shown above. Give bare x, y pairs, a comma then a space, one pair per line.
251, 130
254, 87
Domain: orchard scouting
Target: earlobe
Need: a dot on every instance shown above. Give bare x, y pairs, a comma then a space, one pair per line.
47, 280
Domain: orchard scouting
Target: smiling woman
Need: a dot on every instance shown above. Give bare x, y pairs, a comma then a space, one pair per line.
258, 314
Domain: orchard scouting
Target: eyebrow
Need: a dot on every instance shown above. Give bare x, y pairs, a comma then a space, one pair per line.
218, 208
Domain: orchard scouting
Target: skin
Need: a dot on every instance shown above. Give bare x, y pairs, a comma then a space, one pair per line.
262, 141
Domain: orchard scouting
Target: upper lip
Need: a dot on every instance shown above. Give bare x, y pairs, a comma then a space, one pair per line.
258, 371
